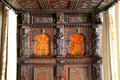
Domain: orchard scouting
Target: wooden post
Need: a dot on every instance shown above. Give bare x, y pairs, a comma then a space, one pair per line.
4, 37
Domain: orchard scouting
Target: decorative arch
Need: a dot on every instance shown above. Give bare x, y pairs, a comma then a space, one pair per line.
42, 44
77, 44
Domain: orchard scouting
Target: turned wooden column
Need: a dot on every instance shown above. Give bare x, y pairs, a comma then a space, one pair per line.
4, 42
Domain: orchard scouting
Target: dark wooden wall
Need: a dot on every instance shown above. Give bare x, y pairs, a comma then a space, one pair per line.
59, 64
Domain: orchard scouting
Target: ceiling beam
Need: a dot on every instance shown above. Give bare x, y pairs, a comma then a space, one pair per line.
99, 3
9, 5
110, 5
59, 10
77, 4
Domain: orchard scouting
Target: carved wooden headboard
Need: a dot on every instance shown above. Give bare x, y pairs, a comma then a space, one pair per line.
59, 46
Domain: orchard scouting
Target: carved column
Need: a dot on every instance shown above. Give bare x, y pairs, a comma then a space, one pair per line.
97, 70
60, 34
60, 71
60, 46
60, 68
24, 41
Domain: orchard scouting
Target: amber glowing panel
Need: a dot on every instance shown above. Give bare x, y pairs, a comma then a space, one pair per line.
42, 44
77, 44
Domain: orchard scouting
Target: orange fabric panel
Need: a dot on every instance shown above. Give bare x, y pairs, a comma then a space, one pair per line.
42, 44
77, 44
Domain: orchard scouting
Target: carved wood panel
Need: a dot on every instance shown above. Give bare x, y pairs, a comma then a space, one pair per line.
77, 72
52, 32
43, 73
42, 19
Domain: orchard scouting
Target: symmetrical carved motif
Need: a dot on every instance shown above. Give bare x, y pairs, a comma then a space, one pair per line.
71, 43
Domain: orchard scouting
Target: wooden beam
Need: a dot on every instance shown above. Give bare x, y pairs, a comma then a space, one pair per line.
109, 5
4, 43
9, 5
58, 10
99, 4
77, 4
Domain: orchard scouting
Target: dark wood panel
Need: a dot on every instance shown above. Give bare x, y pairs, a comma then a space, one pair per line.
58, 64
77, 72
43, 73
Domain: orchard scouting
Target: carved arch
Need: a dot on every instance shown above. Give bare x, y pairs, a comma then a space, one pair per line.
42, 44
77, 44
